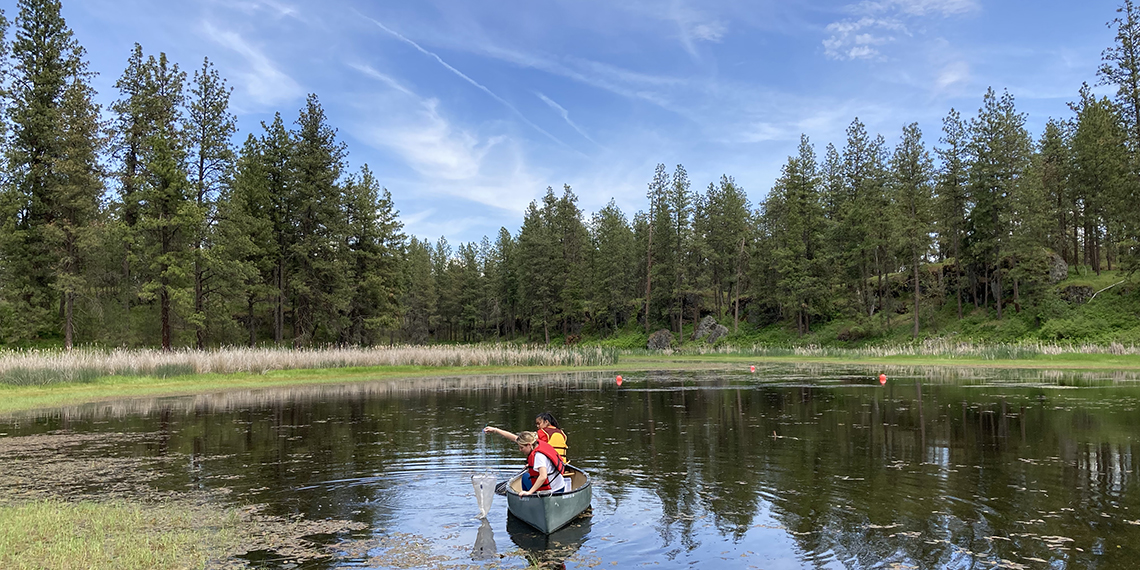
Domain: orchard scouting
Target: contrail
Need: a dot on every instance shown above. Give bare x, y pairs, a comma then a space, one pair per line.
565, 115
465, 78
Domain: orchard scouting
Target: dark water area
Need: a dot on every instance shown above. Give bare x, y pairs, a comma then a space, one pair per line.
790, 467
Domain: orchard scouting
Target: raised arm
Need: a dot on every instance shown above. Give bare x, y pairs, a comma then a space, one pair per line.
504, 433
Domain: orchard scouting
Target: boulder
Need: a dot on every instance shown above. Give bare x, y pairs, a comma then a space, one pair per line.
661, 340
705, 327
1077, 294
1058, 269
718, 332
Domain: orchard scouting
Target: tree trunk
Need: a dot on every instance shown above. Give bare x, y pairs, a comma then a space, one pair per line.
736, 312
916, 293
997, 281
252, 327
68, 321
164, 311
279, 309
648, 275
958, 272
199, 308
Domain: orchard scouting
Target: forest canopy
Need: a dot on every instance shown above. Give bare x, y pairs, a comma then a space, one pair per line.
154, 222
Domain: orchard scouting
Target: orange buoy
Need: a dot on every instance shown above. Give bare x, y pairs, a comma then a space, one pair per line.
882, 379
619, 380
753, 369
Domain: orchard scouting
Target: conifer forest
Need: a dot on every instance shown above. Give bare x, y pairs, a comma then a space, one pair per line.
154, 222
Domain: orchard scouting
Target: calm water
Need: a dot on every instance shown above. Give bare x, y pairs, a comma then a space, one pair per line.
791, 467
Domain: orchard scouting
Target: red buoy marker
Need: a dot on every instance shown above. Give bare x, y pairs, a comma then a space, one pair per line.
882, 379
619, 380
753, 368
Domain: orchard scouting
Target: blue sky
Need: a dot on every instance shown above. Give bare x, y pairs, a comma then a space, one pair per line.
467, 111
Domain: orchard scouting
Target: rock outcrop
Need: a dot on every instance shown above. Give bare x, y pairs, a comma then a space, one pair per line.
661, 340
720, 331
705, 327
1058, 269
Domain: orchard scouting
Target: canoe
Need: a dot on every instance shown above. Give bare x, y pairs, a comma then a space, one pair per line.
548, 513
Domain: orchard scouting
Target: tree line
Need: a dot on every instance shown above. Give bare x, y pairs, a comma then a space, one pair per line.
145, 224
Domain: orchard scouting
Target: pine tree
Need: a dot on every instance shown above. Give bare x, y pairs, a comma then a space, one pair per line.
793, 216
374, 243
571, 261
538, 261
418, 301
1053, 168
659, 257
911, 168
951, 187
614, 260
209, 128
680, 205
1100, 173
245, 232
320, 290
52, 200
999, 154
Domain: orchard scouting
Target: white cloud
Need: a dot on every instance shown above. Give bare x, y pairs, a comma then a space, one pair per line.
262, 80
953, 74
710, 32
852, 39
876, 20
447, 159
919, 7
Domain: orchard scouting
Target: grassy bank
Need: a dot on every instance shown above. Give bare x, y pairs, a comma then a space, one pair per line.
88, 535
61, 392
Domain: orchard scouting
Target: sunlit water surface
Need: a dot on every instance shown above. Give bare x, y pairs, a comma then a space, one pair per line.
789, 467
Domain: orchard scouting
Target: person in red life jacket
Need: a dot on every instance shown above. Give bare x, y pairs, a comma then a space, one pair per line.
546, 427
544, 467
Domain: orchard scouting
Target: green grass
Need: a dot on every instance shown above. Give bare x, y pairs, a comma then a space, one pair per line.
91, 536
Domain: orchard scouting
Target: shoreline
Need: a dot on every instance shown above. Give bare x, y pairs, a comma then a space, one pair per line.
14, 399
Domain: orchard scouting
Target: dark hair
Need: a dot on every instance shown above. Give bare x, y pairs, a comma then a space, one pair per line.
547, 416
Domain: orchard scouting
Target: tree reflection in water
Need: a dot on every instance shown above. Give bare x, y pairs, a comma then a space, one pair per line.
549, 551
794, 466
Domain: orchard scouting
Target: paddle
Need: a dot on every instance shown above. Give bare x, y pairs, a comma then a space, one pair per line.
501, 488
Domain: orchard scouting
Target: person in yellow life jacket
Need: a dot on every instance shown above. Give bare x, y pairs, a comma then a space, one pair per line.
549, 432
546, 427
544, 467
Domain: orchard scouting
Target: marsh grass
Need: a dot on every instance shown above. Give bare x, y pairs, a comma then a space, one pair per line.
62, 535
44, 367
935, 348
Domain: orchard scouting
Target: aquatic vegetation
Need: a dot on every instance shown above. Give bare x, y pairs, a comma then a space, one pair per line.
40, 367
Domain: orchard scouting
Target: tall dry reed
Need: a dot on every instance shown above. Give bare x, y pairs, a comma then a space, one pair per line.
944, 348
34, 367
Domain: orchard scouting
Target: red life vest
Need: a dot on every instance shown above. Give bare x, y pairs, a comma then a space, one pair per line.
545, 449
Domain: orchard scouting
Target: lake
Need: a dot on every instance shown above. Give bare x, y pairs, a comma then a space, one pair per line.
787, 467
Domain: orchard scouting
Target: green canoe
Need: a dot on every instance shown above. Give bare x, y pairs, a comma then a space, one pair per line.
547, 512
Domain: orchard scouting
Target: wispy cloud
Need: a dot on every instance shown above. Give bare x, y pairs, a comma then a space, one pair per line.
565, 115
370, 72
464, 76
694, 26
446, 158
857, 39
263, 81
919, 7
881, 22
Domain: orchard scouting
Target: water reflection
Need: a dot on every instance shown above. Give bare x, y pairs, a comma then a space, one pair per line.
549, 551
795, 466
484, 548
